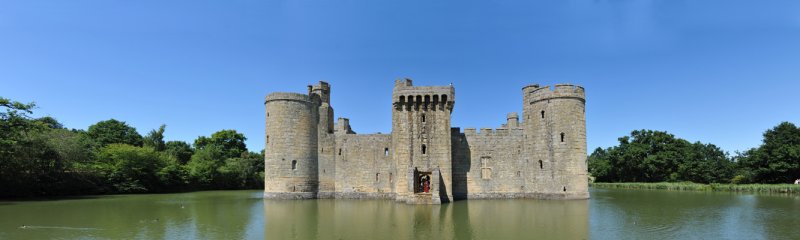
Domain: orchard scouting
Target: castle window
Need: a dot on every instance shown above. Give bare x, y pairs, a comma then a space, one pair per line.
294, 164
542, 113
377, 177
444, 98
267, 114
423, 117
340, 152
486, 171
267, 138
565, 188
386, 152
424, 149
541, 166
562, 137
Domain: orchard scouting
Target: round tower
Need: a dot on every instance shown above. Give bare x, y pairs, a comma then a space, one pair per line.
555, 141
291, 146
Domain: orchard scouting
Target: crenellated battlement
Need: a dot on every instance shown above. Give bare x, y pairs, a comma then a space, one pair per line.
407, 97
535, 93
489, 132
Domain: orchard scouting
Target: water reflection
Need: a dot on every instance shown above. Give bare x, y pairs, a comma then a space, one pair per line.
477, 219
609, 214
201, 215
639, 214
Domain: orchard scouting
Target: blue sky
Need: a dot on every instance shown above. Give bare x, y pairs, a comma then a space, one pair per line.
713, 71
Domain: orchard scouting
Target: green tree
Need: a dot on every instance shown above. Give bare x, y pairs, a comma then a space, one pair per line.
155, 138
131, 169
244, 171
15, 124
203, 168
777, 160
230, 142
50, 122
706, 163
599, 165
654, 156
180, 150
114, 131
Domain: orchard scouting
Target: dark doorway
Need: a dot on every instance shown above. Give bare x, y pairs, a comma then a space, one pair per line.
422, 182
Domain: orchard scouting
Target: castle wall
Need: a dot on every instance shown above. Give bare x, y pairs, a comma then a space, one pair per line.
489, 163
364, 166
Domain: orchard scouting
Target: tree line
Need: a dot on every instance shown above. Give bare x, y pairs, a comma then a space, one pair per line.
40, 157
657, 156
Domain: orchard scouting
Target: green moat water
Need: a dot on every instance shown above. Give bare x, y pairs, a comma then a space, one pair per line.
610, 214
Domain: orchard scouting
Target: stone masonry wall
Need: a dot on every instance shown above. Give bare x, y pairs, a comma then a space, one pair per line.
364, 167
489, 163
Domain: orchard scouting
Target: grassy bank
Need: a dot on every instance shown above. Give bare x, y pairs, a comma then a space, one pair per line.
689, 186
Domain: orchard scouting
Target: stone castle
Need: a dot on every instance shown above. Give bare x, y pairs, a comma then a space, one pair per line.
425, 160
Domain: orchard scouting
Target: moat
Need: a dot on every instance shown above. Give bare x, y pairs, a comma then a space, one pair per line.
609, 214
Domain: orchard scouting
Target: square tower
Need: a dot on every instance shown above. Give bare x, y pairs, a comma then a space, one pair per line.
421, 139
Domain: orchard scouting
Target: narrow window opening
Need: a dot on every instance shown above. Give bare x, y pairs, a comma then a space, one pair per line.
294, 164
340, 152
267, 138
323, 170
486, 171
562, 137
542, 114
424, 149
267, 114
386, 152
377, 176
423, 117
565, 188
541, 166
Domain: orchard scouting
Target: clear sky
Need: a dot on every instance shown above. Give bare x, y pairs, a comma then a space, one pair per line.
713, 71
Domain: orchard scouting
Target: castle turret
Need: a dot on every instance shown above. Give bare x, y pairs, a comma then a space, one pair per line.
512, 120
291, 163
555, 141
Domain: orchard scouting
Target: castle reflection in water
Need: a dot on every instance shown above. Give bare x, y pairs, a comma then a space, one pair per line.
382, 219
